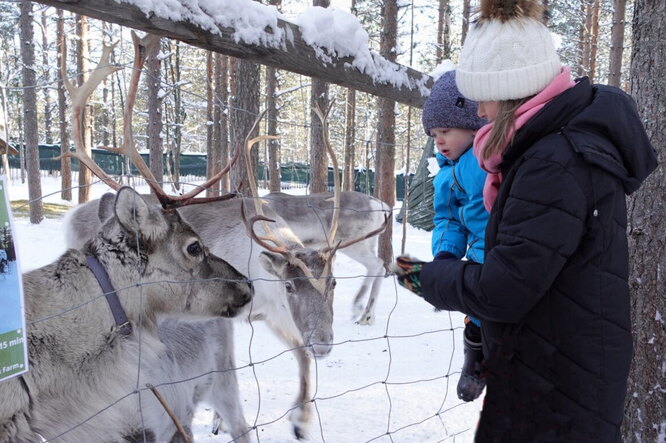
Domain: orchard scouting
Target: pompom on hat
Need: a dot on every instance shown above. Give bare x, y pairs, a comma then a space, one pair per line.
446, 107
508, 53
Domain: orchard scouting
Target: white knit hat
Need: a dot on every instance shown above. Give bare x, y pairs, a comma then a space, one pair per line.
507, 55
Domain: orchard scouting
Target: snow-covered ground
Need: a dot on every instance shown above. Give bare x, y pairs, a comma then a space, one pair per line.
394, 381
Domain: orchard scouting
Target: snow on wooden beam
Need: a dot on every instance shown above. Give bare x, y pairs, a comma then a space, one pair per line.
282, 47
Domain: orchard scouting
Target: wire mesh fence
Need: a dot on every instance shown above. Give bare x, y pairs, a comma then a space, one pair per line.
393, 380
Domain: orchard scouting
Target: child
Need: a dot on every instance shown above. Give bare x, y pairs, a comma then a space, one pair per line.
460, 217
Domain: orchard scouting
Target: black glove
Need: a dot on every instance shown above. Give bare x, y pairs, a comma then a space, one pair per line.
408, 271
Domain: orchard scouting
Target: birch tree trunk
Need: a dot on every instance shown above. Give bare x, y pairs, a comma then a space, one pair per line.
465, 20
443, 31
350, 141
179, 113
65, 162
594, 39
103, 123
83, 56
350, 133
220, 145
31, 129
48, 119
273, 157
645, 414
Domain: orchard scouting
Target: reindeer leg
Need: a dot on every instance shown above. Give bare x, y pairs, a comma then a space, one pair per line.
357, 307
375, 275
301, 415
224, 394
368, 315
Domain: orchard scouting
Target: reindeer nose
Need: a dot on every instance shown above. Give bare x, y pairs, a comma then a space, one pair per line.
247, 295
321, 350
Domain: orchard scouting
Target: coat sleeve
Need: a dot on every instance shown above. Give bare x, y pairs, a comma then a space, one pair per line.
474, 214
542, 223
449, 235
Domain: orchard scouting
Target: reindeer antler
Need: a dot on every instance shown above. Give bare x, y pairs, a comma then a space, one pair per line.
279, 247
337, 192
80, 95
377, 231
337, 189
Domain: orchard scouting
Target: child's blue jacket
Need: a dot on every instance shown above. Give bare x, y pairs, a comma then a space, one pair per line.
460, 217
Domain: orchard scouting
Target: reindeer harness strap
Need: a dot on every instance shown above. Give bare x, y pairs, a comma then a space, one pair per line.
119, 315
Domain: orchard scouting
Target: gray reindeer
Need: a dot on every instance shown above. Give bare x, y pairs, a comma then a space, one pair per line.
199, 366
310, 217
86, 369
294, 306
293, 283
91, 364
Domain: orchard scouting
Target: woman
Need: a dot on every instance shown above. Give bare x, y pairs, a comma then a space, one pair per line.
552, 294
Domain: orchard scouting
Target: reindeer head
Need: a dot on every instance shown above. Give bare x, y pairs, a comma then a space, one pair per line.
310, 298
176, 270
168, 253
306, 273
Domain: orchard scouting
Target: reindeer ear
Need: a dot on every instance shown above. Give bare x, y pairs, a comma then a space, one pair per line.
135, 215
105, 208
273, 263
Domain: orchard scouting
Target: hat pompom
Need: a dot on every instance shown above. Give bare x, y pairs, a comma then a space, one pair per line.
505, 10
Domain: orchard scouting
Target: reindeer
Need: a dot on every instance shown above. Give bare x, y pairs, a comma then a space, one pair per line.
293, 284
156, 273
310, 217
199, 365
299, 312
86, 354
325, 218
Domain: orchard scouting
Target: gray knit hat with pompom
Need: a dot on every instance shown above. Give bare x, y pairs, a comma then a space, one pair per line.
446, 107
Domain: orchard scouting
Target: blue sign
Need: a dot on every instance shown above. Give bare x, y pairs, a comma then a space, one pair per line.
13, 344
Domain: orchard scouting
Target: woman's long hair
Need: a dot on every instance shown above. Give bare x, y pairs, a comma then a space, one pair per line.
502, 126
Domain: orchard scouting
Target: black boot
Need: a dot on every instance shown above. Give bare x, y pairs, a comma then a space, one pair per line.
472, 376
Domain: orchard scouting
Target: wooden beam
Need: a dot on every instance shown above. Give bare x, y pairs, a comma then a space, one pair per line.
293, 54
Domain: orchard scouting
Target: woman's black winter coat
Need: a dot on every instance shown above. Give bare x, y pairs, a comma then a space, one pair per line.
553, 295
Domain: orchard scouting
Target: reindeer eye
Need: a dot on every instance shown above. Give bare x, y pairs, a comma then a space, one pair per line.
289, 286
194, 249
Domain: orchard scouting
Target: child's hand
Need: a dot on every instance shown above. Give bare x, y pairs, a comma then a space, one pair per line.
408, 271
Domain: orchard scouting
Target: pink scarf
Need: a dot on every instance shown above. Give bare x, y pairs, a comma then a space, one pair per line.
494, 178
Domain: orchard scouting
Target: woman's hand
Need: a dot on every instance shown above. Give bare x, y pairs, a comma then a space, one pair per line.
408, 271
